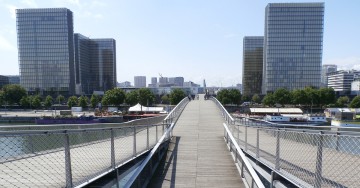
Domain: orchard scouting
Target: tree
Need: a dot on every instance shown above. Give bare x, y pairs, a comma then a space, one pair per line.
269, 100
114, 96
326, 96
60, 99
94, 100
146, 97
176, 96
342, 101
13, 93
245, 98
312, 96
355, 103
1, 97
165, 99
132, 98
235, 96
48, 101
223, 96
256, 99
282, 96
36, 101
25, 101
72, 101
298, 97
83, 101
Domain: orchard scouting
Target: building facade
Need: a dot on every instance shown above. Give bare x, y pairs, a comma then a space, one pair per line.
139, 81
341, 81
326, 69
4, 80
14, 79
252, 65
95, 64
46, 50
292, 46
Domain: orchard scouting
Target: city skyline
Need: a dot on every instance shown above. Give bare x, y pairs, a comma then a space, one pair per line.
198, 40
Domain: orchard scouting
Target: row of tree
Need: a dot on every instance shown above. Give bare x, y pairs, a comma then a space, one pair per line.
15, 94
308, 96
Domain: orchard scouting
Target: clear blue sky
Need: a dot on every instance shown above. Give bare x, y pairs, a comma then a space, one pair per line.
196, 39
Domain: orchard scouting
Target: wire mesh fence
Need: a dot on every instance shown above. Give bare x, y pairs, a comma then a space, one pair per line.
308, 157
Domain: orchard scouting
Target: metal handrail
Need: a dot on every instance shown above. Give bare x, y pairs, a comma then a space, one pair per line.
136, 174
244, 159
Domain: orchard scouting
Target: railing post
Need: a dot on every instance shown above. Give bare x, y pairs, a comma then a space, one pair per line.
157, 137
277, 158
242, 168
147, 137
257, 142
112, 150
68, 172
134, 146
319, 158
246, 143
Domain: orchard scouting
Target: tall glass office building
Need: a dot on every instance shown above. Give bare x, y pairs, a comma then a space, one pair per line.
292, 45
252, 65
95, 64
46, 50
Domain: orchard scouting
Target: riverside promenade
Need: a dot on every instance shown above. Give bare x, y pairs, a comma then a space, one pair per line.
198, 155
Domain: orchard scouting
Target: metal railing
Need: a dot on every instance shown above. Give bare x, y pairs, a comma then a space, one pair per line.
305, 156
142, 175
247, 172
72, 155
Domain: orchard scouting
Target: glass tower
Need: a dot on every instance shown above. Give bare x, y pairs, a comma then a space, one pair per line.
95, 64
252, 65
46, 50
292, 45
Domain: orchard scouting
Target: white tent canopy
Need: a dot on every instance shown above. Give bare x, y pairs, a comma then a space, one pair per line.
276, 110
139, 108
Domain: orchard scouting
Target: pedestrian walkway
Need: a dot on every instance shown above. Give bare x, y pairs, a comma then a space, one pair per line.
198, 155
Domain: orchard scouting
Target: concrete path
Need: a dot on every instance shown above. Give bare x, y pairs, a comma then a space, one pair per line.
198, 155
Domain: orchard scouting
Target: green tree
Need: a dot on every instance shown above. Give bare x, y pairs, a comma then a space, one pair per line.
114, 96
269, 100
298, 97
48, 101
25, 101
94, 100
355, 103
342, 101
132, 98
312, 96
282, 96
224, 96
35, 101
326, 96
235, 96
13, 93
83, 101
245, 98
72, 101
256, 98
176, 96
1, 97
165, 99
60, 99
146, 97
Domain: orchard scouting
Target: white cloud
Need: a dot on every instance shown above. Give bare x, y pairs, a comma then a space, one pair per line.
12, 10
347, 63
6, 45
30, 3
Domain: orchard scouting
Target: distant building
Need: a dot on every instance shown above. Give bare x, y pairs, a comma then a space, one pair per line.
139, 81
163, 81
341, 81
293, 42
153, 80
355, 87
326, 69
4, 80
95, 64
14, 79
252, 65
46, 50
125, 84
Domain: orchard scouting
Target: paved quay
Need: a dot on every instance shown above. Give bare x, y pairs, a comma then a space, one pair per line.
198, 155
